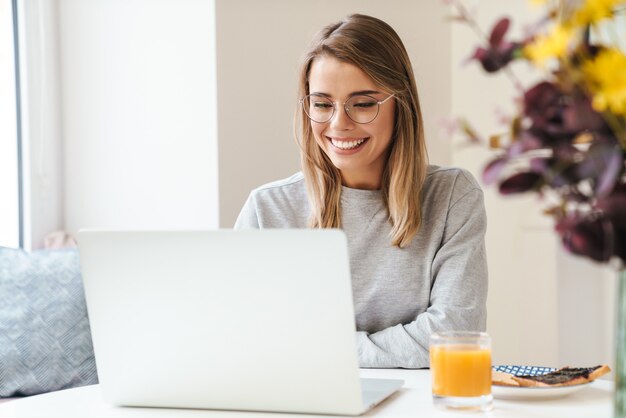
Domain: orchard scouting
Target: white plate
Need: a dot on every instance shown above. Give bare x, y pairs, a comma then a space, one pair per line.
534, 393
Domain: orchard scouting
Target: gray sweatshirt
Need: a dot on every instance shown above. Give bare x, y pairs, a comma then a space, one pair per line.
401, 296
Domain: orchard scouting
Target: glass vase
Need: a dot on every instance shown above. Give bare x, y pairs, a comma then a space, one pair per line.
620, 354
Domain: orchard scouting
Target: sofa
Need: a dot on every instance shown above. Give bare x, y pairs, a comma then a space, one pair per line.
45, 339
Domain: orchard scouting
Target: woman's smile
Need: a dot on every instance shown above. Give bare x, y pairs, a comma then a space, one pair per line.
347, 145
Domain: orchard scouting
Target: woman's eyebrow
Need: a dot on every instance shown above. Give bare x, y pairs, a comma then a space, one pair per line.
364, 92
354, 93
319, 93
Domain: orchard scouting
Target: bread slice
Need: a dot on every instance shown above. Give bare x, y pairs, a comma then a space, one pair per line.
502, 379
566, 376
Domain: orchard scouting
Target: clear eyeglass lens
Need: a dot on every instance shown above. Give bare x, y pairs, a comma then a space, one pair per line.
318, 108
362, 109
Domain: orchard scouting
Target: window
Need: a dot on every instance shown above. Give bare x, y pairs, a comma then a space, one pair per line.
10, 149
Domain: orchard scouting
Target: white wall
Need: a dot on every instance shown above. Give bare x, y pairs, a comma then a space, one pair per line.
259, 45
586, 311
41, 120
139, 113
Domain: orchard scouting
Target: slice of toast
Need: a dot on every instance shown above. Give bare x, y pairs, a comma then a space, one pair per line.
566, 376
502, 379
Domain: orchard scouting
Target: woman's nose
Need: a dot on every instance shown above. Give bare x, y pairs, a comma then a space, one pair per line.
341, 120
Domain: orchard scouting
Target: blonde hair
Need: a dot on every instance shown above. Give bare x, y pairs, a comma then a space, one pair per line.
375, 48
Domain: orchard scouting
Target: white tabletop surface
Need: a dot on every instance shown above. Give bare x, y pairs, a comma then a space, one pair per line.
414, 401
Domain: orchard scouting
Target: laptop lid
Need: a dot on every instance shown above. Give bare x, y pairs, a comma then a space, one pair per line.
256, 320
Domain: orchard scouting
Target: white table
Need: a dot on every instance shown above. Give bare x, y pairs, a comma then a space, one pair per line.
414, 401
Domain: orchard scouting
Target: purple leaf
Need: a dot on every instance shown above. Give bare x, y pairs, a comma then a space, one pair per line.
564, 151
614, 165
520, 182
593, 238
614, 206
526, 142
539, 165
542, 104
580, 116
498, 52
498, 32
558, 115
492, 171
603, 163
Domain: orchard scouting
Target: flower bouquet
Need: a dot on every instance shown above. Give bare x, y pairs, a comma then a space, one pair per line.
568, 140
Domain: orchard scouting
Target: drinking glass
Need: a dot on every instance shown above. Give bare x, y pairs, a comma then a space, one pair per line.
460, 364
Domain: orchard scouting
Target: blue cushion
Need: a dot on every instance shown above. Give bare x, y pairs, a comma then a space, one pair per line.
45, 340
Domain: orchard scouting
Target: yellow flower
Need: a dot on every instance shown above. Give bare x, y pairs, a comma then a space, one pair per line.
551, 45
607, 78
595, 10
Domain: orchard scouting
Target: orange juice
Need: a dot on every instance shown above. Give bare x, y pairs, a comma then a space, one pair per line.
460, 370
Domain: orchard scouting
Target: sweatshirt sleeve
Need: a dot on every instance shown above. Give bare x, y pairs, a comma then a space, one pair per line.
248, 218
458, 292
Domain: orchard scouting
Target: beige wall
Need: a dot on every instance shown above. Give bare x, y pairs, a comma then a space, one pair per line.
259, 44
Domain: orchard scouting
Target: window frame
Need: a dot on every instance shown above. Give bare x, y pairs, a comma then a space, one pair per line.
12, 221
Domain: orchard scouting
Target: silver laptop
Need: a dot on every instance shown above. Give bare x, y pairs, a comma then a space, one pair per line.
256, 320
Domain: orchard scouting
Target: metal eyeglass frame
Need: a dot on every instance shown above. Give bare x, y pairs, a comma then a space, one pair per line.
378, 102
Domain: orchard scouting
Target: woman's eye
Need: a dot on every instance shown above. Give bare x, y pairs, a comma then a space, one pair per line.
322, 105
364, 105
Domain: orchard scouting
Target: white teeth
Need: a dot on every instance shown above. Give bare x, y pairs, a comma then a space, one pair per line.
347, 144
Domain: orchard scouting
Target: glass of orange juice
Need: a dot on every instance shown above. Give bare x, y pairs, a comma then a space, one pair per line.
460, 364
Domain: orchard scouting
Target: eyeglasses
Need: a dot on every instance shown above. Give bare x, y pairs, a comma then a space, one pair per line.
360, 108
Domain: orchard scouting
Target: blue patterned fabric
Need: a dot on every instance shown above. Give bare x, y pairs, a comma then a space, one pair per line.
524, 370
45, 340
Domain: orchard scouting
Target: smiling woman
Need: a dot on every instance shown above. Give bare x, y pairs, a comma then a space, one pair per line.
415, 231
